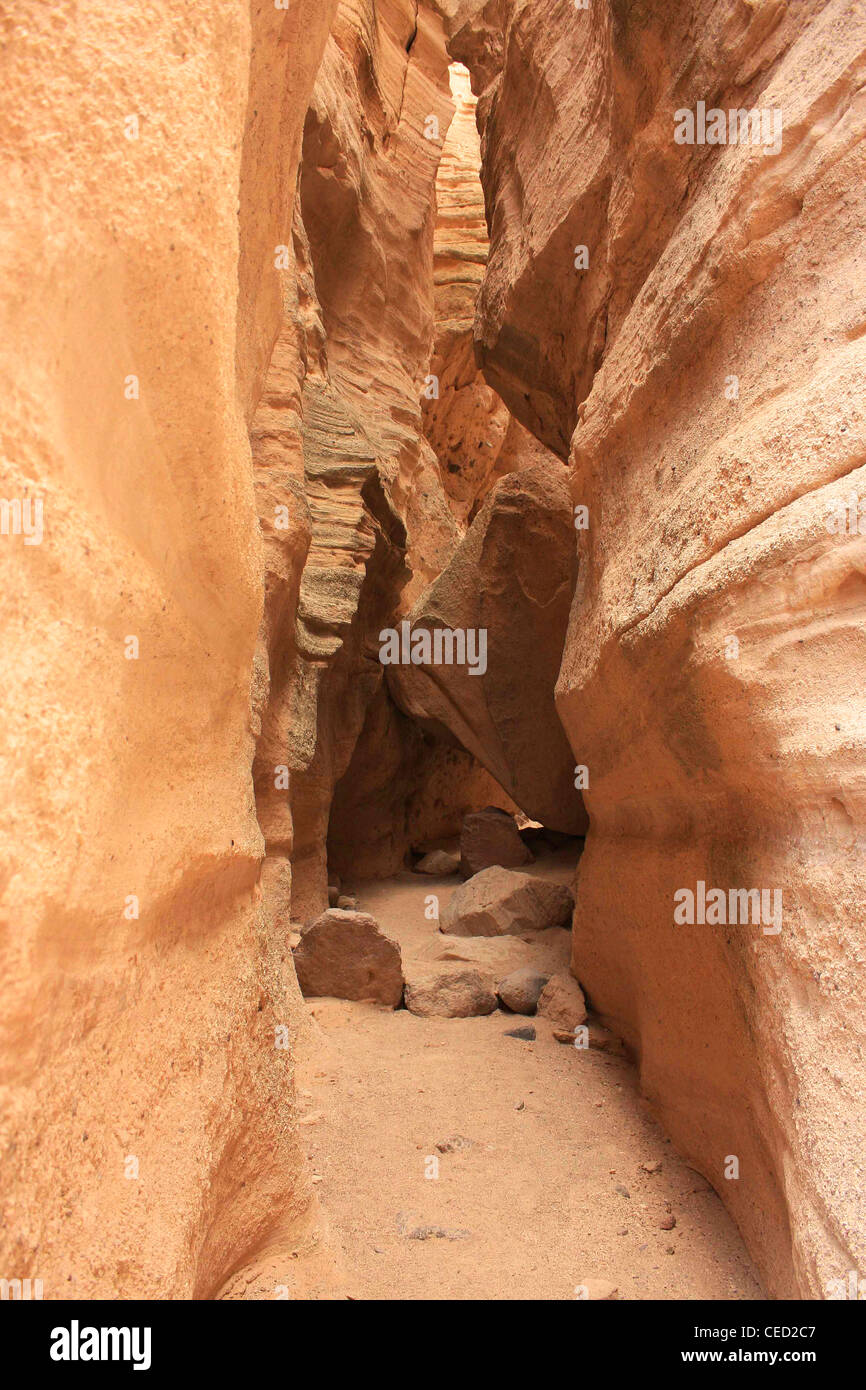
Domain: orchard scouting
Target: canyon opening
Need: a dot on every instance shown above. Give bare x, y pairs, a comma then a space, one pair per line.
434, 740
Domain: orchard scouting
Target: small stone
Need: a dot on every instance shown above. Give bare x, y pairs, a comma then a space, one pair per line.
670, 1250
654, 1167
667, 1223
333, 895
623, 1231
623, 1191
347, 904
525, 1034
521, 1105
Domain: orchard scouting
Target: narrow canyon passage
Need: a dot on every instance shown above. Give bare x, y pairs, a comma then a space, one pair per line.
433, 545
455, 1162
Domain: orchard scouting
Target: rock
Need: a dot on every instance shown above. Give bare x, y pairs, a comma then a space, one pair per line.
346, 955
524, 1034
347, 904
333, 895
597, 1290
500, 902
491, 837
562, 1002
654, 1167
602, 1040
455, 1143
699, 655
494, 584
546, 951
448, 991
520, 990
623, 1191
440, 863
667, 1223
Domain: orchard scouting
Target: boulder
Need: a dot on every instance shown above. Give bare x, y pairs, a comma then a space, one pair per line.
449, 991
491, 837
440, 863
346, 955
562, 1002
520, 990
512, 579
500, 902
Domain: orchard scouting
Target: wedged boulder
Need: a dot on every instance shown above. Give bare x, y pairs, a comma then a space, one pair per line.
439, 862
501, 902
562, 1001
491, 837
346, 955
449, 991
511, 579
520, 991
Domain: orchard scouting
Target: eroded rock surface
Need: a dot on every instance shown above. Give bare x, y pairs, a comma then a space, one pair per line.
701, 374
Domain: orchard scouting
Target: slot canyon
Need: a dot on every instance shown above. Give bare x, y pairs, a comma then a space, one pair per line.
434, 562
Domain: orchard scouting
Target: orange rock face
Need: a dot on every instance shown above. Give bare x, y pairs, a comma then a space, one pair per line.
699, 368
142, 1089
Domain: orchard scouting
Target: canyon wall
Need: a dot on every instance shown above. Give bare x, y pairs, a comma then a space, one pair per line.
700, 365
218, 311
149, 169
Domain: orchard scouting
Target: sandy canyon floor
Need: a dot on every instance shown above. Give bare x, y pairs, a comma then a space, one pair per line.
548, 1192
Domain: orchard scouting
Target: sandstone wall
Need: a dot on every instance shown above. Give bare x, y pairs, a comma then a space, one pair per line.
741, 766
140, 995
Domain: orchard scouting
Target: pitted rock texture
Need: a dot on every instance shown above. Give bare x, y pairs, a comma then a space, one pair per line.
701, 376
